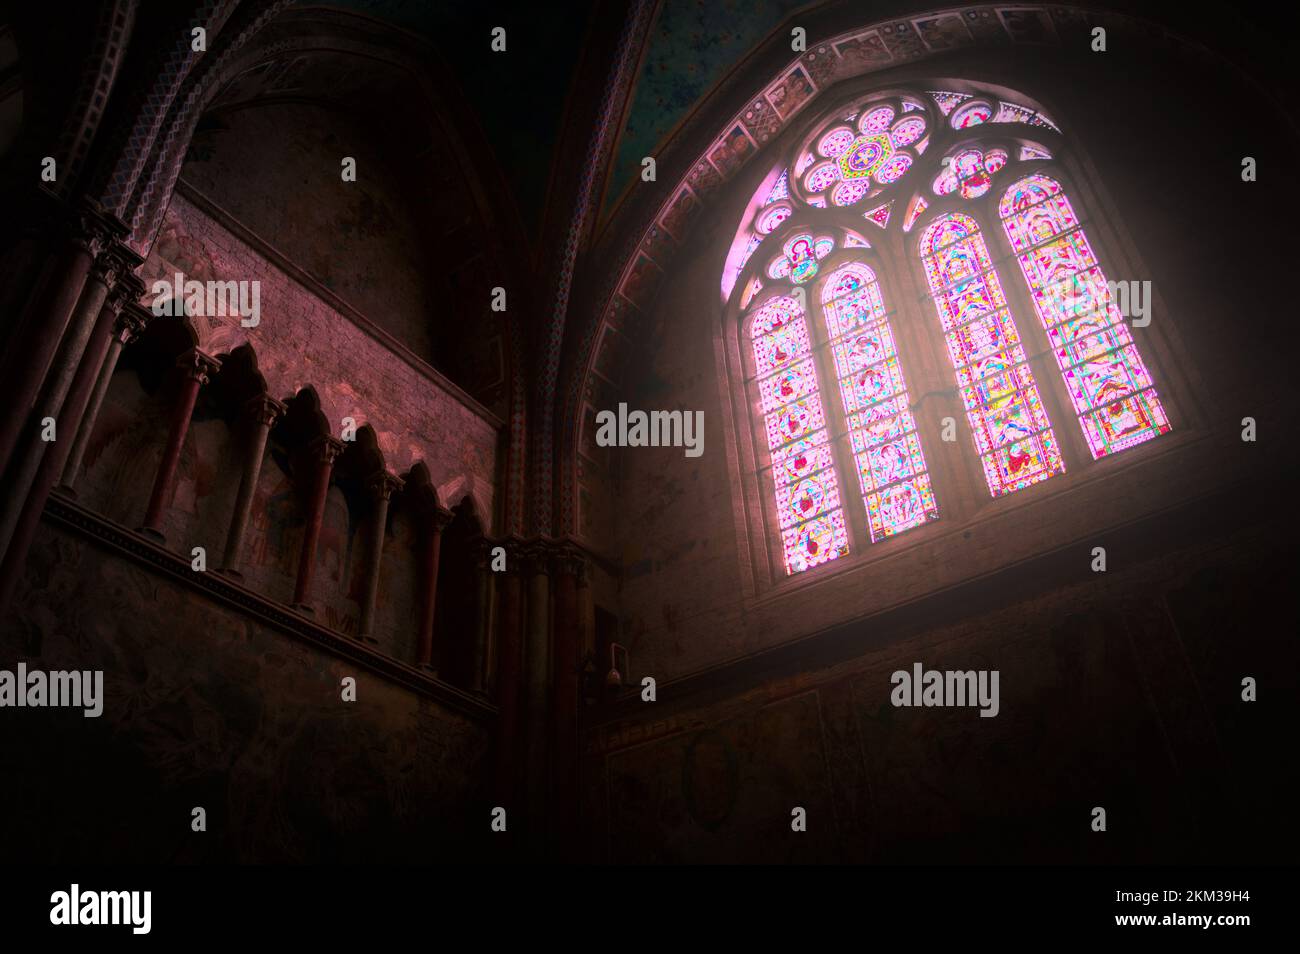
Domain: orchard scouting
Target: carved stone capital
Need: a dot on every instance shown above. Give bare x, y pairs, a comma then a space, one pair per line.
325, 449
538, 556
197, 365
569, 560
131, 320
264, 410
382, 485
94, 230
125, 291
123, 262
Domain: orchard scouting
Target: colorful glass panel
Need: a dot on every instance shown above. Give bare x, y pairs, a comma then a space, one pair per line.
847, 193
894, 169
820, 178
972, 114
876, 120
946, 101
781, 190
1109, 384
769, 219
1011, 113
907, 131
833, 144
970, 172
1012, 433
805, 485
879, 215
887, 453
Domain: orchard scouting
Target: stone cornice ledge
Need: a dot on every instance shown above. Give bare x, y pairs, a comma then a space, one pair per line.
66, 513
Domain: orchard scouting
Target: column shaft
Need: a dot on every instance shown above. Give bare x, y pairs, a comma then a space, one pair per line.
262, 413
324, 453
482, 616
566, 643
52, 461
382, 487
509, 670
195, 366
428, 605
128, 325
39, 339
536, 714
26, 459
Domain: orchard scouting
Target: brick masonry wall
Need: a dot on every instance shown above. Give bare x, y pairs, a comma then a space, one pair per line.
277, 169
300, 342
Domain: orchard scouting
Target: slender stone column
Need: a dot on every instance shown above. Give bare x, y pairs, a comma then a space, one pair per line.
587, 613
195, 366
438, 520
91, 233
510, 659
52, 461
324, 451
261, 412
381, 487
535, 718
483, 613
26, 459
129, 324
569, 565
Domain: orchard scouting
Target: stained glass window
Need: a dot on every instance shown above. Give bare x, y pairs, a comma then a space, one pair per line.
799, 256
879, 215
861, 155
809, 512
1107, 380
1013, 435
892, 474
971, 172
982, 111
860, 163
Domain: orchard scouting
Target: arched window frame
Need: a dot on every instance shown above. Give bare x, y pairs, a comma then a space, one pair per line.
957, 476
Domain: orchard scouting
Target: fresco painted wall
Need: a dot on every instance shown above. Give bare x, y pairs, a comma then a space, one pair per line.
207, 707
1130, 701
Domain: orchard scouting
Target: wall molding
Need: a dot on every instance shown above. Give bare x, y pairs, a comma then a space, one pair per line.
1143, 541
64, 512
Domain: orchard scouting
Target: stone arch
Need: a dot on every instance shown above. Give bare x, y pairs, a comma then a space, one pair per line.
487, 357
466, 487
403, 576
139, 122
131, 429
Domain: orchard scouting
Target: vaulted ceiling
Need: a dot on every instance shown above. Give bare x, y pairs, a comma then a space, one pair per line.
692, 45
519, 98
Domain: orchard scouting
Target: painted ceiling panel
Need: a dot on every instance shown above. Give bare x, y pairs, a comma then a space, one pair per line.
692, 46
